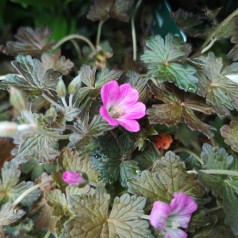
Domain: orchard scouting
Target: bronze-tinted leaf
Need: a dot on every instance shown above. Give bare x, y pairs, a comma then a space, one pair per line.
57, 62
230, 133
30, 41
104, 9
177, 108
218, 84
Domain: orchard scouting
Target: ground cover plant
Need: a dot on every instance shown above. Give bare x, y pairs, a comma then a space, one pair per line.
118, 118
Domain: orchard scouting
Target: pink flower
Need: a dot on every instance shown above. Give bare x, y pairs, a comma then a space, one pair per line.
171, 217
73, 178
121, 106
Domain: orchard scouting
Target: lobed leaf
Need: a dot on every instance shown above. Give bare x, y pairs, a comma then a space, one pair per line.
216, 158
30, 42
163, 61
186, 21
32, 77
56, 62
113, 162
86, 131
168, 176
177, 108
104, 9
9, 214
92, 219
139, 83
36, 145
217, 85
10, 188
71, 160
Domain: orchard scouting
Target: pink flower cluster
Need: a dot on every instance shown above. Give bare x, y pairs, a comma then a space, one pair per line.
171, 217
121, 106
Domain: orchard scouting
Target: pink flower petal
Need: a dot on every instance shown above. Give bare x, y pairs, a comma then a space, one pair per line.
182, 206
128, 95
175, 233
130, 125
104, 113
110, 93
72, 178
159, 213
136, 111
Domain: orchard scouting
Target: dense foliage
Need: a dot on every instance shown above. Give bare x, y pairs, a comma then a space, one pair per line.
69, 105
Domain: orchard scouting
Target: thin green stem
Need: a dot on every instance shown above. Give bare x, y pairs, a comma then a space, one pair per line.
45, 96
77, 48
133, 31
218, 29
28, 116
26, 192
215, 171
213, 209
75, 36
99, 32
47, 235
209, 45
71, 100
190, 153
64, 102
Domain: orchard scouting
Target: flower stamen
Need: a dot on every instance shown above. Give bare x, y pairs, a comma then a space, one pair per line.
115, 111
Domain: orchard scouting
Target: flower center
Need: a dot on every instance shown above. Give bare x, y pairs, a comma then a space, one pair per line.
115, 111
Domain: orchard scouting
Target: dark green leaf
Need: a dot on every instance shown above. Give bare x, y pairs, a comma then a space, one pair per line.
163, 60
215, 157
108, 169
221, 189
112, 161
147, 158
128, 169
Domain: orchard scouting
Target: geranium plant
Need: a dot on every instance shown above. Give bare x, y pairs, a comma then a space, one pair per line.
135, 136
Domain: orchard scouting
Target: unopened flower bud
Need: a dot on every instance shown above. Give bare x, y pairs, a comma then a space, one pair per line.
61, 88
17, 99
73, 178
74, 85
8, 129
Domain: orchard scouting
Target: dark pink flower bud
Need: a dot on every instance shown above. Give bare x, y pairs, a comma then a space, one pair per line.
73, 178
